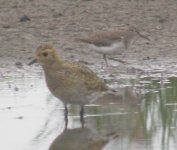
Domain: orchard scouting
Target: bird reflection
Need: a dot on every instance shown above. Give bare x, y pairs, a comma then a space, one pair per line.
89, 137
125, 97
79, 139
108, 107
122, 99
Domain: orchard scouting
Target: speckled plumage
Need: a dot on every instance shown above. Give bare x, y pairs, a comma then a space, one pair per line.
72, 82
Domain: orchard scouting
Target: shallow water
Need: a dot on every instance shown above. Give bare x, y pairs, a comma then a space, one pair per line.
31, 118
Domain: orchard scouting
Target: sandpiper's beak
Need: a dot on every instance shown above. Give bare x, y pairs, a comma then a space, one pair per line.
143, 36
32, 62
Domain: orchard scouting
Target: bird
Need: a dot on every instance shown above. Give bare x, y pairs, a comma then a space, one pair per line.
111, 42
70, 81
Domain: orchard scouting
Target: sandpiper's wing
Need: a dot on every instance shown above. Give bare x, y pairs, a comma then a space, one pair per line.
81, 74
103, 38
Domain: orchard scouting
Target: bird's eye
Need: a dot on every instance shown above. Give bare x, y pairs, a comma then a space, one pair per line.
45, 54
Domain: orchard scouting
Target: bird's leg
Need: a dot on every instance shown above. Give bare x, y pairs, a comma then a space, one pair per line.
82, 115
66, 115
119, 60
105, 59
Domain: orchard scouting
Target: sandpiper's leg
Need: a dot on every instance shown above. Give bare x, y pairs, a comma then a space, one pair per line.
82, 115
66, 115
105, 59
119, 60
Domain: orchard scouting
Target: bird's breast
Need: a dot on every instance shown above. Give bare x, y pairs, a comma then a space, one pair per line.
114, 48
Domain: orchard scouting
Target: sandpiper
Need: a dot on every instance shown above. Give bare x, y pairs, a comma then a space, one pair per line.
71, 82
111, 42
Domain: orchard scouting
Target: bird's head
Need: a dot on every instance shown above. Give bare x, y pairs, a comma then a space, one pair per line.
44, 54
135, 31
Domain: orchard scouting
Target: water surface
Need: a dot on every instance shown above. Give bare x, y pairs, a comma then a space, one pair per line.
31, 118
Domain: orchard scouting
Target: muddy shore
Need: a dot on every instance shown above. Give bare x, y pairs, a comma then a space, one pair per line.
59, 22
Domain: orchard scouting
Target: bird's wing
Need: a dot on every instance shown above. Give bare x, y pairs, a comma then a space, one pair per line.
102, 39
81, 74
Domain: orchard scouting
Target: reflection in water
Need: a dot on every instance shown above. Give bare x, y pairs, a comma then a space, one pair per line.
144, 118
149, 125
78, 139
102, 124
159, 112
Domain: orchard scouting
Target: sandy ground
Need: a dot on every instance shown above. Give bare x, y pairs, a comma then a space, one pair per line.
58, 22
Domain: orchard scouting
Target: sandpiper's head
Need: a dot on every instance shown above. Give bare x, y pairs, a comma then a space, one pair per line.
135, 31
44, 54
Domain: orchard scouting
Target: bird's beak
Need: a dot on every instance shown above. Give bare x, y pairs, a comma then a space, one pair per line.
32, 62
143, 36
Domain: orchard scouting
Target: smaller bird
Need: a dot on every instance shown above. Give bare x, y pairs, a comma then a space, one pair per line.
71, 82
111, 42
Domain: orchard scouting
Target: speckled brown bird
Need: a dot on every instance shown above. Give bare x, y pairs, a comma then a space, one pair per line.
71, 82
111, 42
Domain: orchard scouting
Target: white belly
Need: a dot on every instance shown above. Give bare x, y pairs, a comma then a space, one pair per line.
115, 48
